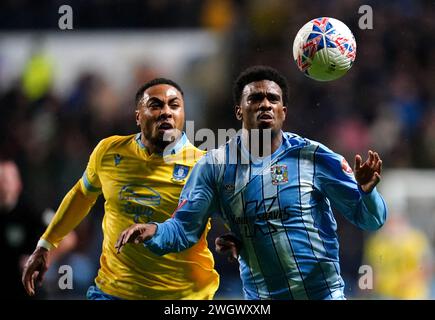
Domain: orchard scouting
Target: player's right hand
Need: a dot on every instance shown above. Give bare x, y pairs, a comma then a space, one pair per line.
228, 244
136, 233
35, 269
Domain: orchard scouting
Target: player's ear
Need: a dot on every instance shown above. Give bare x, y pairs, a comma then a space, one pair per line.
137, 117
238, 112
284, 109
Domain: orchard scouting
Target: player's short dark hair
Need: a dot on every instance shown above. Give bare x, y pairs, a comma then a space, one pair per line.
154, 82
259, 73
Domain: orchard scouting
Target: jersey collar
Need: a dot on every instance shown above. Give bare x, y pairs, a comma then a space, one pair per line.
285, 143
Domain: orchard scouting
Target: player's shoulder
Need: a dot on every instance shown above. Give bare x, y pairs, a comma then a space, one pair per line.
294, 140
189, 154
313, 145
114, 142
219, 152
222, 154
190, 147
309, 146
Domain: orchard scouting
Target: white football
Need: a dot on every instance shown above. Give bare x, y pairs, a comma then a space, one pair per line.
324, 49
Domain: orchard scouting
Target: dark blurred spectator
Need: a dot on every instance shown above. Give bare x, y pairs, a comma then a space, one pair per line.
20, 228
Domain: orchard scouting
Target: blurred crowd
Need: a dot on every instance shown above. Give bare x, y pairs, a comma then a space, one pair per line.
386, 102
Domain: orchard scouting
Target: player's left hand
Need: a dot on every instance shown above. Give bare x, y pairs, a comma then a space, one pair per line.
137, 234
368, 174
228, 244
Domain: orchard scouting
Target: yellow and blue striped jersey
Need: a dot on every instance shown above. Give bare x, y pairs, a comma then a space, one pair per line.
139, 187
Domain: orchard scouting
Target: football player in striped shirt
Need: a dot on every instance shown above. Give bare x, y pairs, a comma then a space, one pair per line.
141, 177
277, 205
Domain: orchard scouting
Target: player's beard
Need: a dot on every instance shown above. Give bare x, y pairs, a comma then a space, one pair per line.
162, 141
162, 144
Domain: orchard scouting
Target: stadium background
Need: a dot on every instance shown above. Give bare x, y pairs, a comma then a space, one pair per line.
63, 91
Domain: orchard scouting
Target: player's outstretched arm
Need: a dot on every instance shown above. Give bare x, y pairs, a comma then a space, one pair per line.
73, 209
136, 233
368, 174
352, 193
189, 220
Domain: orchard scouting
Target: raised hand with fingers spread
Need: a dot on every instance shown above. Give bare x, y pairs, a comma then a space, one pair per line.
368, 174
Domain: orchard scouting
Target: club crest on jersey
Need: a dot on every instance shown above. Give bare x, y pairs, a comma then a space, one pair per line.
279, 174
180, 172
346, 167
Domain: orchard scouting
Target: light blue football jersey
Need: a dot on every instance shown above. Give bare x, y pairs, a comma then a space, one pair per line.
280, 208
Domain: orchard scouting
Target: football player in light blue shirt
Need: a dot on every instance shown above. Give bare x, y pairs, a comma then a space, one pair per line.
277, 204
